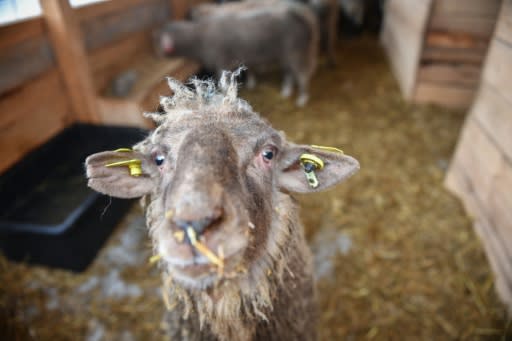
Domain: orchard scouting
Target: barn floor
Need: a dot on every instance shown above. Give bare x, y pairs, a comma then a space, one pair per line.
396, 257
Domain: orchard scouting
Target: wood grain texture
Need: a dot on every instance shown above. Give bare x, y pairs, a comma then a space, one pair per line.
467, 8
479, 26
109, 28
145, 96
454, 55
104, 8
16, 33
180, 8
498, 68
494, 113
67, 40
458, 75
109, 61
459, 40
402, 37
504, 25
32, 114
478, 156
24, 61
445, 94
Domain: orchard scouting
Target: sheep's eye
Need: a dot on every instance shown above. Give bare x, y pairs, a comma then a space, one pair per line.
159, 160
268, 154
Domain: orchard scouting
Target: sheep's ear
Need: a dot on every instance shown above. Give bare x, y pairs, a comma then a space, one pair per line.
167, 42
332, 167
123, 173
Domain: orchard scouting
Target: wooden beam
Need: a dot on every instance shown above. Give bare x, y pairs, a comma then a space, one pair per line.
504, 25
16, 33
448, 95
492, 110
65, 34
100, 9
402, 35
179, 9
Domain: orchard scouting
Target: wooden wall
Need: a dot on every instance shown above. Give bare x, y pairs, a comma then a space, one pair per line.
115, 36
481, 170
54, 70
402, 34
438, 53
33, 101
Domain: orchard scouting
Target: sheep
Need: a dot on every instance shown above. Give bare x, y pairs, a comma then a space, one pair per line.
328, 17
327, 12
282, 34
216, 181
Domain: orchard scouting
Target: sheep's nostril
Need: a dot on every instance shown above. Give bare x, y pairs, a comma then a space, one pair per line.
198, 225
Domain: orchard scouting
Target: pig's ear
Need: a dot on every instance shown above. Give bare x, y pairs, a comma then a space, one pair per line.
123, 173
329, 166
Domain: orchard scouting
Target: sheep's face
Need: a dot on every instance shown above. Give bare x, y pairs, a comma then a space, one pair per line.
212, 182
174, 37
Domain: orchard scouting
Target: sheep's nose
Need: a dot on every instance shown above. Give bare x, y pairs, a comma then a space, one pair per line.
199, 225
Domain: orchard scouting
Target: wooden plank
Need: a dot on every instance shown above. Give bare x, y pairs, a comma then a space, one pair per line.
504, 25
107, 7
413, 13
479, 26
481, 8
30, 115
449, 95
121, 112
180, 8
67, 41
100, 31
16, 33
454, 55
152, 71
499, 204
498, 254
106, 63
495, 240
403, 46
476, 161
494, 114
498, 68
146, 94
459, 75
457, 40
151, 99
24, 61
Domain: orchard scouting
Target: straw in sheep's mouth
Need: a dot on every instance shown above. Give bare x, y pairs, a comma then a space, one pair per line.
216, 259
205, 251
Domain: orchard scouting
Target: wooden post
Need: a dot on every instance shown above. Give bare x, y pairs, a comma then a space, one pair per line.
66, 37
178, 9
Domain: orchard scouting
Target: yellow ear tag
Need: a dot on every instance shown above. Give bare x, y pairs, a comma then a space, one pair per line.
310, 163
134, 165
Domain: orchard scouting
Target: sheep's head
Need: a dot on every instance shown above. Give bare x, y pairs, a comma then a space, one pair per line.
173, 37
212, 173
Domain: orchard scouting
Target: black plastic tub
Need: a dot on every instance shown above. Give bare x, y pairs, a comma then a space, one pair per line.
48, 215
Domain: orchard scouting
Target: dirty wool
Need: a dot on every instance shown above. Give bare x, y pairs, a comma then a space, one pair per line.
395, 255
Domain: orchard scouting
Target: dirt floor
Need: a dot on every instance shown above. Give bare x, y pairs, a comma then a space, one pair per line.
396, 257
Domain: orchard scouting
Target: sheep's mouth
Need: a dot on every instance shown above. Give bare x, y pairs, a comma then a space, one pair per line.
200, 271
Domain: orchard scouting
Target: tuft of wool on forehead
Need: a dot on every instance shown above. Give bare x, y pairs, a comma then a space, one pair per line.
203, 96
